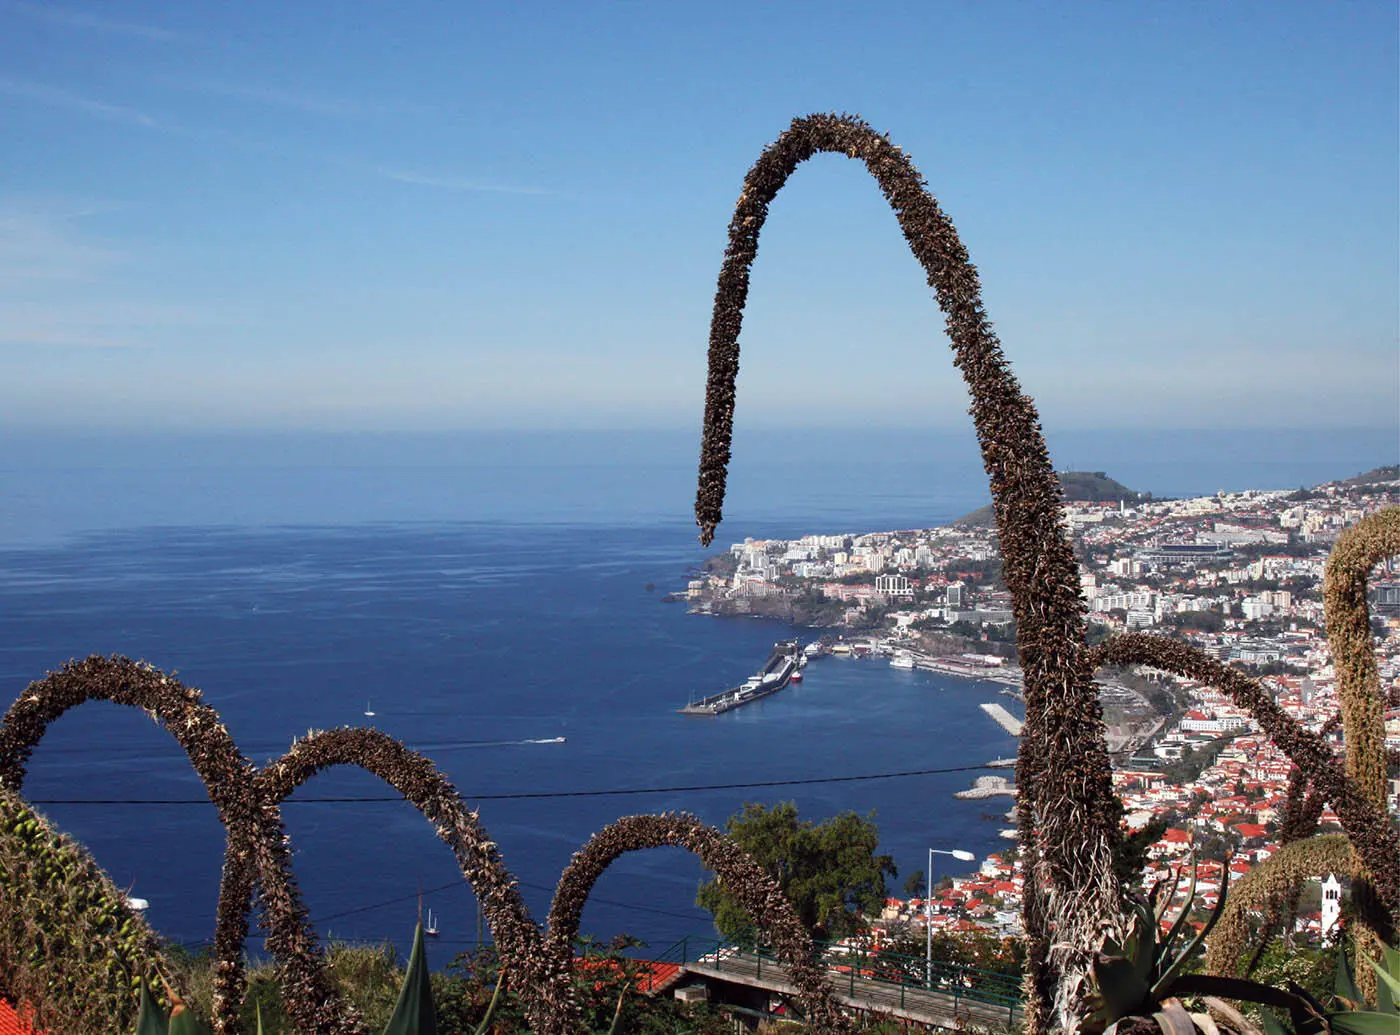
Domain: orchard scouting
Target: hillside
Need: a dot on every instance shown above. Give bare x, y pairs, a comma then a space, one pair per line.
1379, 474
1078, 486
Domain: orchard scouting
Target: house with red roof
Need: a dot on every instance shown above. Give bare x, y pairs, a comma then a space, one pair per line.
10, 1021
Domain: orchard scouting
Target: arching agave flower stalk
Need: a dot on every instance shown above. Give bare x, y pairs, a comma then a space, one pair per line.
254, 831
257, 868
1068, 814
746, 880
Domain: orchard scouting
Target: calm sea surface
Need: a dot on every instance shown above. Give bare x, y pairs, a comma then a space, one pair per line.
480, 605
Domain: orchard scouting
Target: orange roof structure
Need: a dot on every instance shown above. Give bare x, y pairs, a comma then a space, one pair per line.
10, 1023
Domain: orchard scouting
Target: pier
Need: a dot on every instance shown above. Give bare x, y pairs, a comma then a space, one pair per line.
1004, 718
780, 668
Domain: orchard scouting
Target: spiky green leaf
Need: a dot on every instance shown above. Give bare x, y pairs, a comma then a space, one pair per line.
617, 1014
1118, 985
1392, 961
184, 1021
414, 1013
1364, 1022
1271, 1024
151, 1019
491, 1006
1344, 983
1387, 992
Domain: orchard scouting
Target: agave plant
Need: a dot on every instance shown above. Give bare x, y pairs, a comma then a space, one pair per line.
1354, 1015
152, 1020
1139, 978
1139, 986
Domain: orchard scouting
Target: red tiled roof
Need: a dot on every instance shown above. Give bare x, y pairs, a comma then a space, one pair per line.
10, 1023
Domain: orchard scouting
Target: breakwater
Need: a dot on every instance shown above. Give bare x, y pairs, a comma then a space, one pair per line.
1004, 718
987, 787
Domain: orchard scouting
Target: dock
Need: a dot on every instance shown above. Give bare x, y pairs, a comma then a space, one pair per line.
1004, 718
780, 668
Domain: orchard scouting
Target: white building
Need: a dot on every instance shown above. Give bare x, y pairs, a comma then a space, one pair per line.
1331, 903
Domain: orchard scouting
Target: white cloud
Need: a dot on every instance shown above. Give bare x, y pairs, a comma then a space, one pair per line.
311, 103
62, 286
57, 97
454, 182
84, 22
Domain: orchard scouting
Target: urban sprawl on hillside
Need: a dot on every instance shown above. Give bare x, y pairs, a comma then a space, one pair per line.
1238, 574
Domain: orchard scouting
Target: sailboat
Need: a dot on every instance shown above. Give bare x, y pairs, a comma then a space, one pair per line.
368, 710
430, 928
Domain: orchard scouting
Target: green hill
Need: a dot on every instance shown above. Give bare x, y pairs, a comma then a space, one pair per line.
1078, 486
1371, 477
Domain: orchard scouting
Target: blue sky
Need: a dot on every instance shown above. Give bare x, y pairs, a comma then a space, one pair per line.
435, 216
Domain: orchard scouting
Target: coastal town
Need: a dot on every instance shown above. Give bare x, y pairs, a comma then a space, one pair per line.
1237, 574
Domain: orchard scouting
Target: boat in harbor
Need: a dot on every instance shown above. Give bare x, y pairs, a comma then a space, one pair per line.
780, 668
902, 660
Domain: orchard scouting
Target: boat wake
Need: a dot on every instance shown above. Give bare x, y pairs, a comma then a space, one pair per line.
452, 745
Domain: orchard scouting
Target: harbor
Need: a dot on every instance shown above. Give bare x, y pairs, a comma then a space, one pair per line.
783, 666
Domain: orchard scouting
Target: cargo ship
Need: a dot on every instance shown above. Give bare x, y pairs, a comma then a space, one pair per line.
776, 673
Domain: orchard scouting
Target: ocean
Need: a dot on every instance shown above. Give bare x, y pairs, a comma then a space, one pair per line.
483, 595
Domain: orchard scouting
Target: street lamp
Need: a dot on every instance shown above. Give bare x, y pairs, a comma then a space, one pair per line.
956, 853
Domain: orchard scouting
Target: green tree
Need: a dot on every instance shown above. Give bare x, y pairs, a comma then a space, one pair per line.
914, 886
829, 871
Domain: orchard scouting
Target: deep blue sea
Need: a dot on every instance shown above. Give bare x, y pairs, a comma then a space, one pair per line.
481, 594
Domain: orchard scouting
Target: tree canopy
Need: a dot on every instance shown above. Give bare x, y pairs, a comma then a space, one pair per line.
829, 871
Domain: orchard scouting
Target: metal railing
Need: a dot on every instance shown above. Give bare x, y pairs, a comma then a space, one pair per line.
883, 979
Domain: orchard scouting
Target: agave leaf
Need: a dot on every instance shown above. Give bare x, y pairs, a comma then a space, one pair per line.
1118, 985
1174, 968
1142, 942
1387, 991
1344, 984
1232, 1018
151, 1020
617, 1014
1174, 1020
184, 1022
1171, 937
1304, 1011
1312, 1021
1364, 1022
1161, 907
413, 1013
1392, 961
259, 1005
1271, 1024
491, 1006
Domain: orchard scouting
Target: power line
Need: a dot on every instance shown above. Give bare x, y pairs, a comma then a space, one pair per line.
534, 795
459, 883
